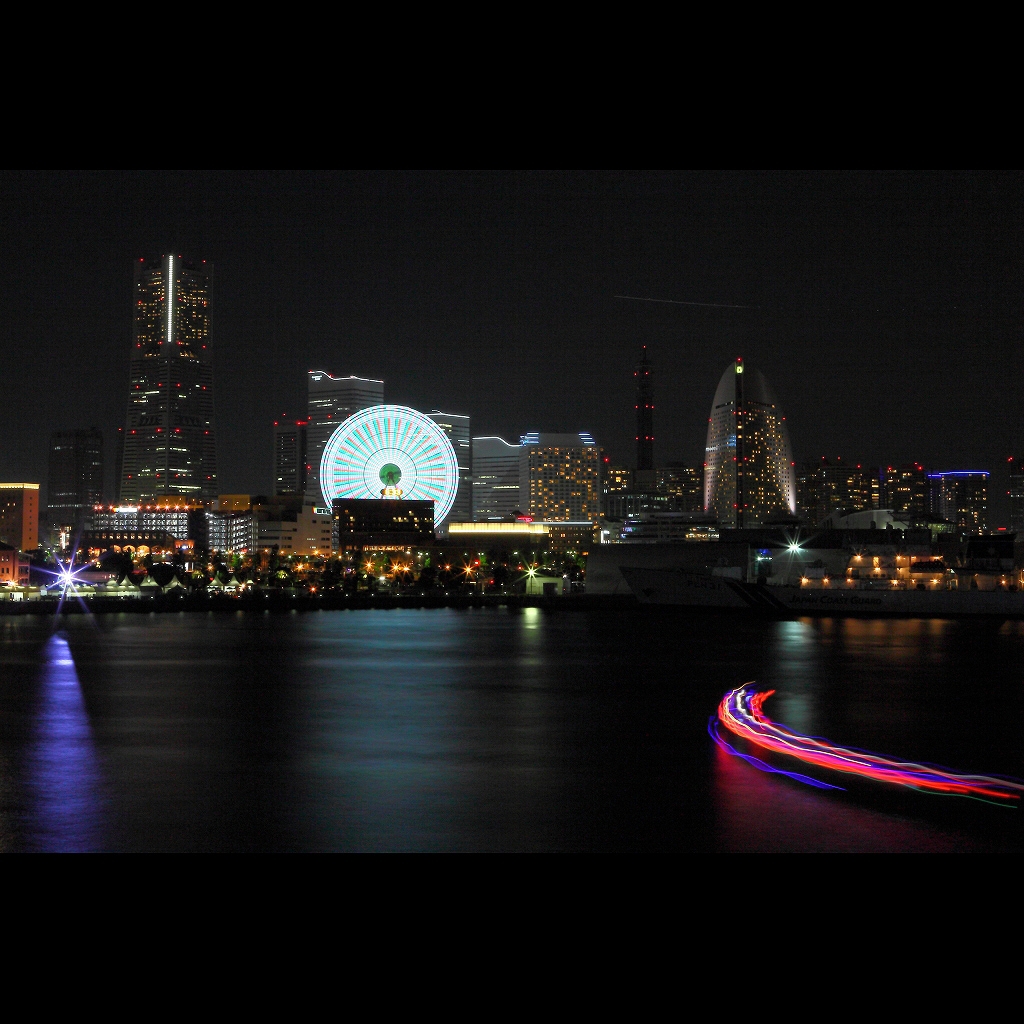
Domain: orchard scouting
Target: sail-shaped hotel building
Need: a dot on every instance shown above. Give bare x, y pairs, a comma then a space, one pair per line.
749, 473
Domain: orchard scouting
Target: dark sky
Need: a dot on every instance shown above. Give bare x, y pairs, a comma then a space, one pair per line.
888, 321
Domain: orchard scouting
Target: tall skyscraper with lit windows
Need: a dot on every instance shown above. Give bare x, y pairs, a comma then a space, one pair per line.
169, 442
961, 497
748, 469
289, 459
560, 477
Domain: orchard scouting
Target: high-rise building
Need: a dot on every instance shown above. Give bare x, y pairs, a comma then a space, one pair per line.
616, 482
560, 477
749, 472
683, 484
330, 401
495, 479
644, 413
456, 427
837, 486
1016, 495
169, 444
75, 481
289, 463
961, 497
906, 489
19, 516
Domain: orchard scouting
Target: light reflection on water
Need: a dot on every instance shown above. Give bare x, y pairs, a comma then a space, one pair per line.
63, 775
482, 730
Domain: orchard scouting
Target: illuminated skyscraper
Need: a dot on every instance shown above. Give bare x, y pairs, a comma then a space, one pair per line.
495, 479
75, 481
169, 444
961, 497
906, 489
289, 467
748, 470
457, 429
330, 401
560, 477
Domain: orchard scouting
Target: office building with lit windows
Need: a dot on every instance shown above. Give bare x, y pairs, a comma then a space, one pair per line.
906, 489
836, 486
329, 402
683, 484
19, 516
289, 458
75, 480
495, 480
961, 497
169, 440
748, 473
456, 429
560, 477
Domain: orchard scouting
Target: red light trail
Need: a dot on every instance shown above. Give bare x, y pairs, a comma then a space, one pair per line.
741, 713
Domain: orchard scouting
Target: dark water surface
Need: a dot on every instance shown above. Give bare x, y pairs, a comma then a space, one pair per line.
487, 729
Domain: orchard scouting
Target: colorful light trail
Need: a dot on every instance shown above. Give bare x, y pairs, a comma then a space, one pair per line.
741, 713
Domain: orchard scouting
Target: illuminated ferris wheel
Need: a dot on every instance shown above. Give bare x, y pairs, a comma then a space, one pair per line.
391, 451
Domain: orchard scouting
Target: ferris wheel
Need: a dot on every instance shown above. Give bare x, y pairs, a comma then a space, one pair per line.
391, 451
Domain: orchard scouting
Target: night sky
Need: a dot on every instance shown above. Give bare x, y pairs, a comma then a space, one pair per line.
888, 307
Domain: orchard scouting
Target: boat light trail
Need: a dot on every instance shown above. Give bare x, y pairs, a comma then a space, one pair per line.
741, 713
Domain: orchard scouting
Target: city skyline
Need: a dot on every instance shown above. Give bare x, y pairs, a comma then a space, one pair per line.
893, 349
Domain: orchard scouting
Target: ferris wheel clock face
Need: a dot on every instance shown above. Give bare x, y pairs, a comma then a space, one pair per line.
390, 451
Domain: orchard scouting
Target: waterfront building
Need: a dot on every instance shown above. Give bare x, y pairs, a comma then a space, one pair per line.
560, 477
644, 414
330, 401
559, 537
307, 531
14, 570
140, 542
457, 430
495, 479
749, 470
289, 457
1016, 495
522, 533
19, 516
381, 523
961, 497
667, 528
232, 532
75, 479
169, 440
182, 520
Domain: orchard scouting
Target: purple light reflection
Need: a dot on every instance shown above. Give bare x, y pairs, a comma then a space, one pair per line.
65, 807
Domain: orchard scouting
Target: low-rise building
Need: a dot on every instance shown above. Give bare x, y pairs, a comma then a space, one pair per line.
14, 568
382, 523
